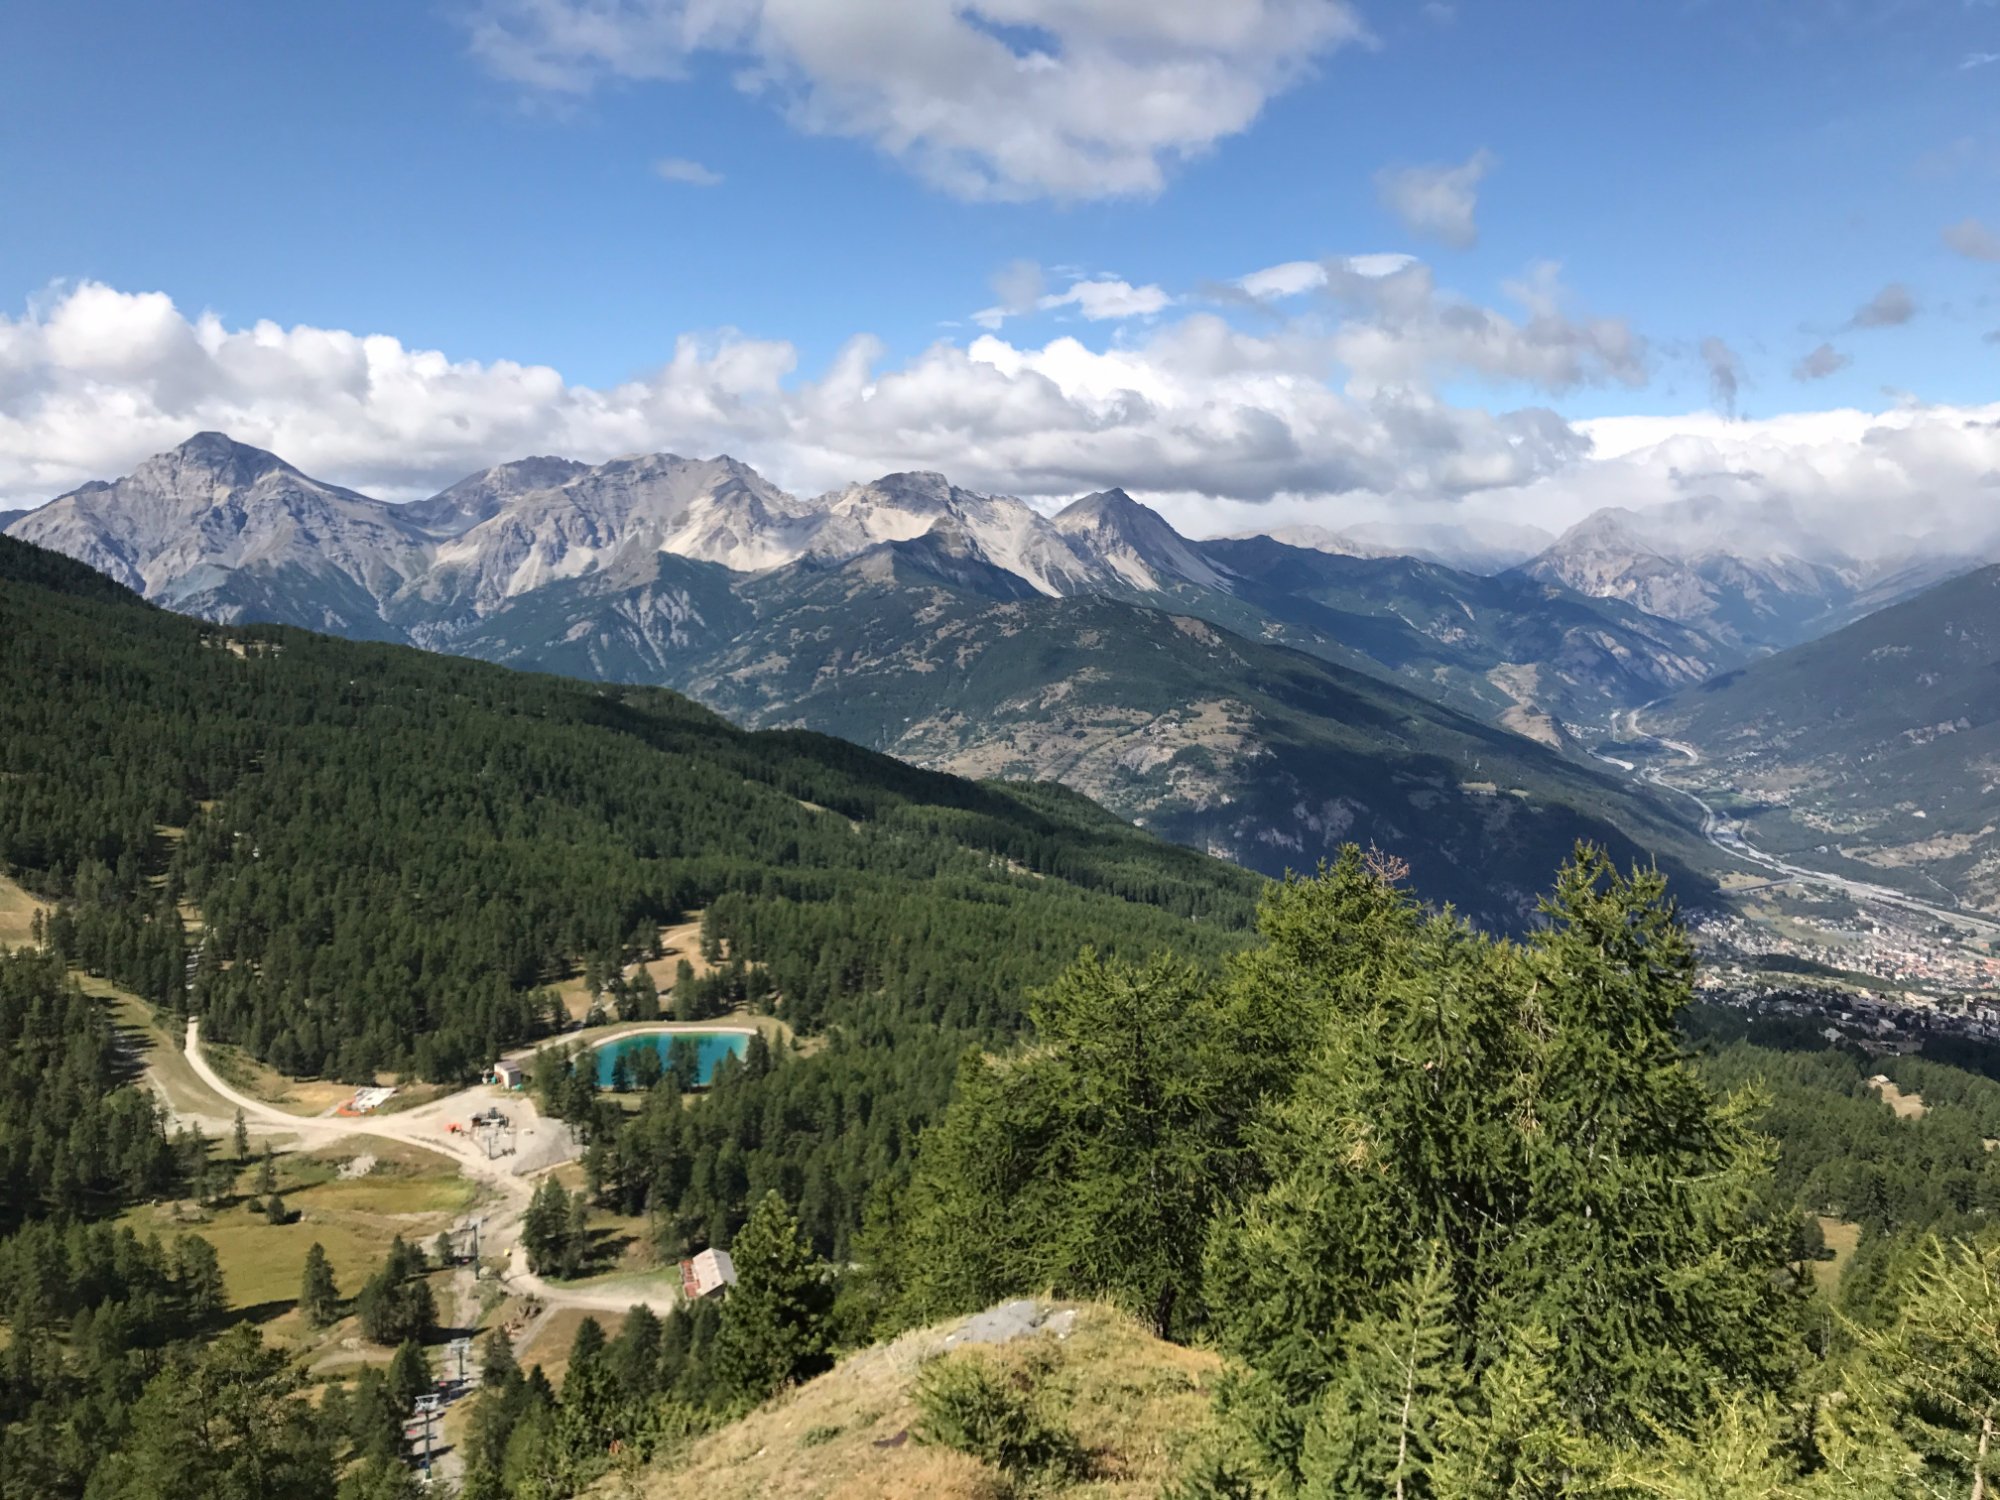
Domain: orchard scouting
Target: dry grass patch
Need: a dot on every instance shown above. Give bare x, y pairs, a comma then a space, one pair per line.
183, 1089
551, 1347
1132, 1401
261, 1081
353, 1218
1906, 1106
1841, 1238
17, 914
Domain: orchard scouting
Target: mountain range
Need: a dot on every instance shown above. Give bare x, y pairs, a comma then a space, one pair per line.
230, 532
1257, 700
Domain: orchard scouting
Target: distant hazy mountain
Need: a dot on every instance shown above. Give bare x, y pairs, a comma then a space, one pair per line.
1878, 745
1472, 546
1505, 646
1755, 578
220, 529
1118, 536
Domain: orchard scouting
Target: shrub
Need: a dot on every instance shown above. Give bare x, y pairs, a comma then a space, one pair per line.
1012, 1422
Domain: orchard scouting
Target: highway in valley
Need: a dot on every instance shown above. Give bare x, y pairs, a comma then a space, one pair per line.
1727, 835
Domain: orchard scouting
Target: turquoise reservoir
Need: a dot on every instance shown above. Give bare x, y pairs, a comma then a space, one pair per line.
710, 1049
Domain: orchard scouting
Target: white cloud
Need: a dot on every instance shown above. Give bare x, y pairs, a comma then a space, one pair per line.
1400, 329
1287, 280
1323, 418
1973, 240
1010, 99
1297, 276
1439, 202
95, 379
680, 169
1098, 299
1868, 482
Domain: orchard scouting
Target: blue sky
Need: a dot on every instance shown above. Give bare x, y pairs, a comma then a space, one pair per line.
1751, 172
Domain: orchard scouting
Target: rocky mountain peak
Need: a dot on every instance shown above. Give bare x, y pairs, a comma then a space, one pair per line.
479, 497
207, 466
1134, 542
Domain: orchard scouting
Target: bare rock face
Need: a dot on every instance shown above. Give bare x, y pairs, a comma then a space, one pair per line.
1134, 543
183, 519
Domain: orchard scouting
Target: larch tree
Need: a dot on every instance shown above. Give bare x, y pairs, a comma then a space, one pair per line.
319, 1294
774, 1319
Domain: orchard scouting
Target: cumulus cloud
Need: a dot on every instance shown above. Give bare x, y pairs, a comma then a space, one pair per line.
1891, 307
1822, 362
1439, 202
680, 169
1973, 240
1320, 418
1868, 483
1004, 99
94, 379
1400, 328
1725, 374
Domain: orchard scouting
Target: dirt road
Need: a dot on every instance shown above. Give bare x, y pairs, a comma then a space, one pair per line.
539, 1145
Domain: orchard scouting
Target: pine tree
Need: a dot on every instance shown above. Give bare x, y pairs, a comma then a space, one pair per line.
635, 1354
198, 1278
645, 1001
409, 1375
497, 1360
773, 1320
223, 1422
545, 1227
267, 1174
319, 1295
242, 1138
576, 1239
382, 1476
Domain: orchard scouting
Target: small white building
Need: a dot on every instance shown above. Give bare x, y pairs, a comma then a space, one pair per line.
508, 1073
708, 1272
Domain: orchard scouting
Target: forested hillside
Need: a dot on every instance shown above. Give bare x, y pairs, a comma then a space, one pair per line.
394, 852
